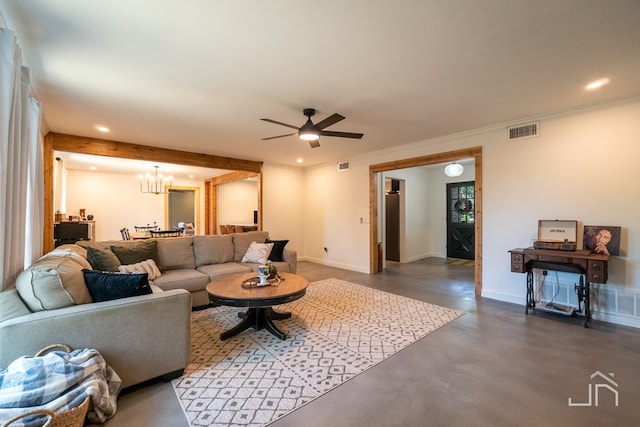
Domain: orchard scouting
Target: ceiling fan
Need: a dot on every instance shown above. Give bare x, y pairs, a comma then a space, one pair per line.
312, 132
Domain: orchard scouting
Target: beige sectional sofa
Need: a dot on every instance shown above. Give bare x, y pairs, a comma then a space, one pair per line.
191, 262
141, 337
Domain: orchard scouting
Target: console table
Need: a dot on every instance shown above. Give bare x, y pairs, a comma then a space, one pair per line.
583, 262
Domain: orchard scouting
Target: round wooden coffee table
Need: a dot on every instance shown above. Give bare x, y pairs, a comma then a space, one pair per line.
228, 290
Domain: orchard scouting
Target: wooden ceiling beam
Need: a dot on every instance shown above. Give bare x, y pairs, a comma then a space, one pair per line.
125, 150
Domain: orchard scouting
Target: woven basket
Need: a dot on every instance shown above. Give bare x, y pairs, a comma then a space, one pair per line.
74, 417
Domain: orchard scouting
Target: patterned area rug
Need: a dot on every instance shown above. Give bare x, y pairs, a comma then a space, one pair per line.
336, 331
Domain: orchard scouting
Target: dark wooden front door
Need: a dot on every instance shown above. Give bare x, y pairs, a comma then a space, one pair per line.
461, 220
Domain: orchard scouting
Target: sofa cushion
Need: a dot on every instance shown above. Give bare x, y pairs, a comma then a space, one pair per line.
73, 252
257, 253
277, 250
11, 305
107, 286
102, 259
213, 249
189, 279
147, 266
175, 253
52, 283
241, 242
215, 270
134, 253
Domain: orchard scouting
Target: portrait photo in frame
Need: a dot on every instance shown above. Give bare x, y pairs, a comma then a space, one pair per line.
602, 239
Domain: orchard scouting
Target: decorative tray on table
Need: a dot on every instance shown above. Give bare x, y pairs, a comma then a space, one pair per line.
254, 282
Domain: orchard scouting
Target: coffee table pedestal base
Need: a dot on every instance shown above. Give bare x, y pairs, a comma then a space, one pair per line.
258, 318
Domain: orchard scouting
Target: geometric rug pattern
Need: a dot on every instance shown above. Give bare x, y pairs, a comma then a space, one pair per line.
336, 331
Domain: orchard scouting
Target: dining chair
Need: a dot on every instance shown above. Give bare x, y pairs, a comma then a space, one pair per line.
124, 232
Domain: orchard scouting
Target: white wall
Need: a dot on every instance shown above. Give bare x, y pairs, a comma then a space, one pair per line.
582, 166
418, 237
282, 201
116, 202
333, 204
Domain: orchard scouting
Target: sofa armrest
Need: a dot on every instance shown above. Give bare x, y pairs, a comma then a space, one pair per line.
290, 256
141, 337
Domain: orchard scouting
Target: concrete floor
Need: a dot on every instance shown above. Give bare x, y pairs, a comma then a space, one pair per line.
494, 366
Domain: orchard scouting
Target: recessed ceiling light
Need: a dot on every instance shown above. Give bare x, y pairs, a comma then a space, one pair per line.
299, 160
93, 168
101, 128
597, 84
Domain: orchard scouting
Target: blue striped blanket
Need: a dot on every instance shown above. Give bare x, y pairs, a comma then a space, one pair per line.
58, 381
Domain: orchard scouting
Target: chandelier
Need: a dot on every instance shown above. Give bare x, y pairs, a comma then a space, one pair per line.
155, 183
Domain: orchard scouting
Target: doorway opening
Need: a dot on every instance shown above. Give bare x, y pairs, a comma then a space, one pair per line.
182, 204
376, 170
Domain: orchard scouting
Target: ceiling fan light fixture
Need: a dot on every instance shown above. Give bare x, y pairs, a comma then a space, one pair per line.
309, 136
453, 169
308, 132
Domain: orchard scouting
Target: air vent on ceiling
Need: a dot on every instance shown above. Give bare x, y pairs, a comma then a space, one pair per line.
343, 166
528, 130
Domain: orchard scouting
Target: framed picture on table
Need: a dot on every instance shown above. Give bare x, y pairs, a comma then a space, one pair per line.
602, 239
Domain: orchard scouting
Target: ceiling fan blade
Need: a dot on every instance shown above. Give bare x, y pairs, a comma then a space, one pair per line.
279, 136
314, 144
332, 119
280, 123
341, 134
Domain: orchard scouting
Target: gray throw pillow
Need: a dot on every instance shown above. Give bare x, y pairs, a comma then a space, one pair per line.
133, 254
102, 259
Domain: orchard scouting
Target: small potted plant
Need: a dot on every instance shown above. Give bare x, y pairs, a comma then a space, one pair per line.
272, 270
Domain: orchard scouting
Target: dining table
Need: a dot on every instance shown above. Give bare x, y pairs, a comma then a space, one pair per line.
140, 235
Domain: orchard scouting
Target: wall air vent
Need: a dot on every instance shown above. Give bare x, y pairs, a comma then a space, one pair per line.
528, 130
343, 166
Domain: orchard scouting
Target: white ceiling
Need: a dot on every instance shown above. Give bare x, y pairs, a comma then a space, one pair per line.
197, 75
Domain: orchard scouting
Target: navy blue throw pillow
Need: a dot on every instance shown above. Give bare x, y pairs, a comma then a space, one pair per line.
277, 250
106, 286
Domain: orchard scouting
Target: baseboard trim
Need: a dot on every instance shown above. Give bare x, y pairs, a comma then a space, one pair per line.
334, 264
617, 319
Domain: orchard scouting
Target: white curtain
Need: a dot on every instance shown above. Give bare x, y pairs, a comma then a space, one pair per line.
35, 187
20, 161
